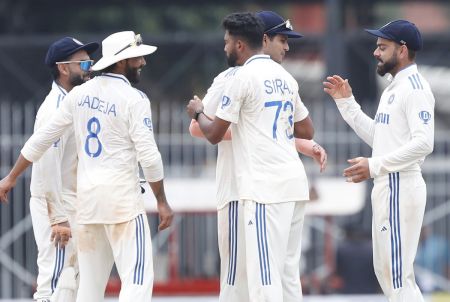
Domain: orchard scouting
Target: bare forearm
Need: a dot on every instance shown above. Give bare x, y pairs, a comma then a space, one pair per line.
212, 131
158, 191
305, 146
21, 165
195, 131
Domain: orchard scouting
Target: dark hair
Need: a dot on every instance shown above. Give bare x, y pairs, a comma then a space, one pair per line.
54, 71
246, 26
108, 69
411, 54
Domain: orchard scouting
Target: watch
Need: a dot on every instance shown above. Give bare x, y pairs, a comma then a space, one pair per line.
197, 113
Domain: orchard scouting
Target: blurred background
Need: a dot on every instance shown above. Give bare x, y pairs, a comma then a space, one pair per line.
336, 255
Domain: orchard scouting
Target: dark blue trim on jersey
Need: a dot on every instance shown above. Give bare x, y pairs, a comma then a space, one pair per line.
115, 77
232, 72
263, 251
59, 264
264, 57
61, 89
414, 79
417, 78
232, 241
140, 251
394, 222
141, 93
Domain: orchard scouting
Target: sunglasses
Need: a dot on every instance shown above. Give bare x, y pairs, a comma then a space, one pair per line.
137, 41
286, 24
85, 65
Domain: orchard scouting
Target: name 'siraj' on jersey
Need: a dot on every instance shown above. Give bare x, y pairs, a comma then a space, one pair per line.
95, 103
277, 86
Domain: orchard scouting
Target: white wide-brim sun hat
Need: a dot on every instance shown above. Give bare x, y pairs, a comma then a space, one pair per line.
120, 46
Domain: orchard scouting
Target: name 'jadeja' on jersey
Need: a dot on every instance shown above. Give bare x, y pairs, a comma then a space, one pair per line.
95, 103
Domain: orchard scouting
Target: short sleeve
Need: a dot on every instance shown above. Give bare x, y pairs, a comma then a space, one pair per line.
232, 98
301, 112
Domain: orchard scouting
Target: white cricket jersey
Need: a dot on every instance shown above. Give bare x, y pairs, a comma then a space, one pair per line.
113, 131
262, 103
226, 189
402, 132
53, 177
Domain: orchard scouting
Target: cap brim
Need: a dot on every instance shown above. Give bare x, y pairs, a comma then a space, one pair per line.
290, 34
132, 52
89, 47
378, 33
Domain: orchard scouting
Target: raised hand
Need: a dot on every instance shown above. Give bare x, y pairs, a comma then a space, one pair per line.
195, 105
337, 87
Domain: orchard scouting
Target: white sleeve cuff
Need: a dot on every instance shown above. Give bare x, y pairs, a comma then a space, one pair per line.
344, 102
28, 154
374, 166
154, 173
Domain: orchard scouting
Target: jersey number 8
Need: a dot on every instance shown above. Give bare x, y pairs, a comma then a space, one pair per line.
93, 127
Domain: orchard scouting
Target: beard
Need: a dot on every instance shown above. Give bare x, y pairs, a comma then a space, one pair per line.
232, 59
78, 79
387, 66
132, 74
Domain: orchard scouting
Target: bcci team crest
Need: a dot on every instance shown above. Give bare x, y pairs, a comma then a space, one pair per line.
225, 101
425, 116
391, 99
148, 123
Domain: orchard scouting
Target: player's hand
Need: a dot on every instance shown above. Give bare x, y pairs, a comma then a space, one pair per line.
320, 156
337, 87
61, 233
6, 184
358, 171
195, 105
165, 215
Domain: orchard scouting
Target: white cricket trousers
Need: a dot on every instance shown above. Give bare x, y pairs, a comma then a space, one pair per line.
127, 244
398, 206
50, 259
260, 246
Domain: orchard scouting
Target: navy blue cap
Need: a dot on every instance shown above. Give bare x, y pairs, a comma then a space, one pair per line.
401, 31
65, 47
275, 24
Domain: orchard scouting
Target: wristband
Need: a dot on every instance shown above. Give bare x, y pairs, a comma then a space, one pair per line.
197, 114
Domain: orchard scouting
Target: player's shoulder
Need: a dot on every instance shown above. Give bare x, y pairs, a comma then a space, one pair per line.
140, 94
412, 82
226, 74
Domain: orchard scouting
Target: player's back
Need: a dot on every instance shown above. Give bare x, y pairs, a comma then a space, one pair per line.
263, 106
103, 113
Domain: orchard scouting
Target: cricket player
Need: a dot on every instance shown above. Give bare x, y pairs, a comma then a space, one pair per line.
262, 104
113, 130
53, 178
401, 135
234, 284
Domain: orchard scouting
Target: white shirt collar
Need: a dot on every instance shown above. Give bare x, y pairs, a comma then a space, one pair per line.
403, 73
256, 57
116, 76
56, 86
